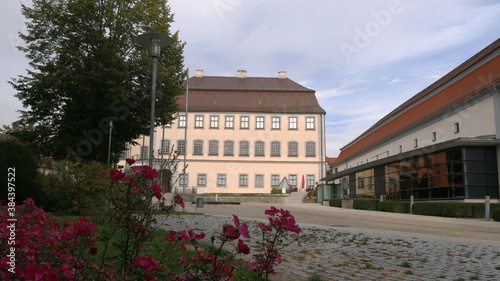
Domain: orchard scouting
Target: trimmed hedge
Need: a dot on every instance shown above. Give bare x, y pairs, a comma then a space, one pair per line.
394, 206
439, 209
495, 214
452, 209
336, 202
366, 204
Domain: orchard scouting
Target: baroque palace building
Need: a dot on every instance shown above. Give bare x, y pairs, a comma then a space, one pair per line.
241, 135
443, 143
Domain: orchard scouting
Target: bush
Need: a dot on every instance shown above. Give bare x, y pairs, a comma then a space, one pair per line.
495, 214
19, 167
449, 209
275, 190
54, 250
77, 188
394, 206
336, 202
366, 204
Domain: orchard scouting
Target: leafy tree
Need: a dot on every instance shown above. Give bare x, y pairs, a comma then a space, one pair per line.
87, 68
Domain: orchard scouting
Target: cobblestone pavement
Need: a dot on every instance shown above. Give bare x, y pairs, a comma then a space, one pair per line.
342, 253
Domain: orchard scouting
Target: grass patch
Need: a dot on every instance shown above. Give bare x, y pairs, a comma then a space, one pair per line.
406, 264
156, 246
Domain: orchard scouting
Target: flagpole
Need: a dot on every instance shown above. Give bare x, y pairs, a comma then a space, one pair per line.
185, 141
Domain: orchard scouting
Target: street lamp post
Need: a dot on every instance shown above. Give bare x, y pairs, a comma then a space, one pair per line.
109, 144
156, 41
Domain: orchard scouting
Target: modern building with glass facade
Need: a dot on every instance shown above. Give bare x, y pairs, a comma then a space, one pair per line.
442, 144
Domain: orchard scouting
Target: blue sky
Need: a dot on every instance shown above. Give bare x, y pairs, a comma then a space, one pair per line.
363, 58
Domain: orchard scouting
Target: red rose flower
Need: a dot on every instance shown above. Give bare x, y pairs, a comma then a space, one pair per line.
243, 248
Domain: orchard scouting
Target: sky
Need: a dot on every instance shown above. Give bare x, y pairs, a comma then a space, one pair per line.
363, 57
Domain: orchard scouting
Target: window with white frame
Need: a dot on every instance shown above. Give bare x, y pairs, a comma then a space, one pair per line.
275, 123
310, 124
292, 123
259, 122
229, 122
244, 148
310, 149
259, 181
126, 153
457, 128
144, 152
198, 147
213, 147
228, 148
198, 121
310, 183
244, 122
259, 148
243, 182
202, 180
183, 180
182, 121
292, 178
181, 147
293, 149
275, 180
165, 146
221, 180
214, 122
275, 148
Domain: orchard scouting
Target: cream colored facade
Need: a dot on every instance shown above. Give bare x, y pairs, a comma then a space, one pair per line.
243, 151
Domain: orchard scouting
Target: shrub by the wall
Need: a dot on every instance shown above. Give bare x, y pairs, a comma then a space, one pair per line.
495, 211
394, 206
495, 214
78, 188
366, 204
336, 202
449, 209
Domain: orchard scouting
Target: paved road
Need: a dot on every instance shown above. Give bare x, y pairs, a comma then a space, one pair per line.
342, 244
454, 229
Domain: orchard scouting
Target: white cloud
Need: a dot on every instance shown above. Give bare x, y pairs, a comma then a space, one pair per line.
395, 80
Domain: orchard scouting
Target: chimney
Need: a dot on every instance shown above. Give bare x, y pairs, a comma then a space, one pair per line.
282, 74
199, 73
242, 74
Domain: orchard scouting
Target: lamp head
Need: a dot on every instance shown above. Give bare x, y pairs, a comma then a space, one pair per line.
156, 41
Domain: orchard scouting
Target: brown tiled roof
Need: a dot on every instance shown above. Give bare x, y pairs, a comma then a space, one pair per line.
251, 94
330, 159
428, 102
221, 83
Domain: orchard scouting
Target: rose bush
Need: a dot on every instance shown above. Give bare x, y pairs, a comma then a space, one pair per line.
47, 249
